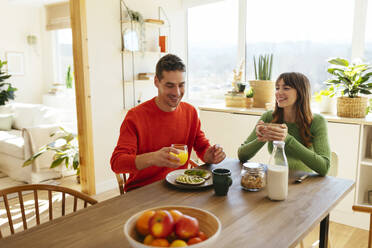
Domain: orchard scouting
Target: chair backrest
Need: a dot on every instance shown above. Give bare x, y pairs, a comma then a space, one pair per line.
38, 204
122, 180
333, 170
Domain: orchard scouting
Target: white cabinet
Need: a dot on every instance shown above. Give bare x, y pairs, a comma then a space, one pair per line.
344, 141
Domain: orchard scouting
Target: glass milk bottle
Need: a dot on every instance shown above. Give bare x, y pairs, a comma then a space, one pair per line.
277, 173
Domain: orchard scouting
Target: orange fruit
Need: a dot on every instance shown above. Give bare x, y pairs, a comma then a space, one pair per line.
160, 242
194, 240
176, 215
148, 239
202, 235
178, 243
142, 224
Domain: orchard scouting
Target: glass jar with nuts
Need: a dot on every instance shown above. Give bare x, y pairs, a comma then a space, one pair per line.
253, 176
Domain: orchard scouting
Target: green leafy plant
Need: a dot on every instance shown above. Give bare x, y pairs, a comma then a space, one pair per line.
66, 150
369, 108
6, 89
351, 78
329, 92
263, 68
249, 93
69, 78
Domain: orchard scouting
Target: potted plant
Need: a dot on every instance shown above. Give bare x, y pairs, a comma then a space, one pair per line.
238, 85
263, 87
248, 101
326, 100
6, 89
352, 79
66, 150
134, 17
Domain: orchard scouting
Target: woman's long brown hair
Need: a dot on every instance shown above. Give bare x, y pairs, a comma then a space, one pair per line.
304, 117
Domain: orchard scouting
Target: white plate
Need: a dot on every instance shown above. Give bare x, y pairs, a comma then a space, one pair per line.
171, 178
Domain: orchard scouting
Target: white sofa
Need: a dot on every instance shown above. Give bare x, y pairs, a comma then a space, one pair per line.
31, 127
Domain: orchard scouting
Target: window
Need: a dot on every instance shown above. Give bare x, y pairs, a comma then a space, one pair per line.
368, 43
301, 34
62, 54
212, 48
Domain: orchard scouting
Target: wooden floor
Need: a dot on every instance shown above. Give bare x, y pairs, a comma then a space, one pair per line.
341, 236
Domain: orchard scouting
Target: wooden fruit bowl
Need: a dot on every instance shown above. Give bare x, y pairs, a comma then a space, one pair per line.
208, 223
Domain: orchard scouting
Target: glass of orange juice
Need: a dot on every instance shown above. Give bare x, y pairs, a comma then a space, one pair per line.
182, 153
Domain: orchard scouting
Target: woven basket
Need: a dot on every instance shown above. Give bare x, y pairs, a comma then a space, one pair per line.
352, 107
264, 92
237, 100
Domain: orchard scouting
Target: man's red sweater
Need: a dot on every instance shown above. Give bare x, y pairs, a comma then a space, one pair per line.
146, 128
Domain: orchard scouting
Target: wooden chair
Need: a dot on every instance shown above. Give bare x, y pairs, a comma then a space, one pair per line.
121, 178
39, 188
366, 209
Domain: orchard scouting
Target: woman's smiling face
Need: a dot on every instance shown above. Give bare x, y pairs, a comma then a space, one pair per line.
285, 95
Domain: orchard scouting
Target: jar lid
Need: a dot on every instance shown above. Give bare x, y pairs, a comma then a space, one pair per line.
254, 167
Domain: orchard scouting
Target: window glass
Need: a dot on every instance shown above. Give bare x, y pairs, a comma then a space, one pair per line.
212, 48
301, 34
368, 43
63, 54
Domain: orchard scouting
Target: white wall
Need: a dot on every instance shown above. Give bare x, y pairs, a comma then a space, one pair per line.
103, 27
18, 21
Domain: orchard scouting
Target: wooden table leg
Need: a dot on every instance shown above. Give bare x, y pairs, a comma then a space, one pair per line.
323, 233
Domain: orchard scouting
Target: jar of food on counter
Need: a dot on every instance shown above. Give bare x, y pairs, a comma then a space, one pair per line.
253, 176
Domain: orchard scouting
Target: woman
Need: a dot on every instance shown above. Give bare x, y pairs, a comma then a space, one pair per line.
305, 135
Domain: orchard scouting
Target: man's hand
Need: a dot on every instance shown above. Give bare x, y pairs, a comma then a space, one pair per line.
161, 158
214, 155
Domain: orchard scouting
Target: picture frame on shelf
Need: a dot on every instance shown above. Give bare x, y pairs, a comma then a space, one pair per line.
15, 64
370, 197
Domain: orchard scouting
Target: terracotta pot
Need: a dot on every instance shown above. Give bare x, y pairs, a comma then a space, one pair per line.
352, 107
264, 92
248, 102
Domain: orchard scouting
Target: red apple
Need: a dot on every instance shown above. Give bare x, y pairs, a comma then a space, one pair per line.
161, 224
187, 227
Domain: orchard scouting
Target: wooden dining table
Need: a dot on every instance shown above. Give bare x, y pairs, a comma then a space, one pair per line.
249, 219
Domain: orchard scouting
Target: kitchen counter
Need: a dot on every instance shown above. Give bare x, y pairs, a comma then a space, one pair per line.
259, 111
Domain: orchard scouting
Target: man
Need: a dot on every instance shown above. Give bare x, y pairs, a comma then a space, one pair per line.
148, 130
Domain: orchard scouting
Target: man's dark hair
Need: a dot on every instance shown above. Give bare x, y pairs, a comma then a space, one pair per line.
169, 62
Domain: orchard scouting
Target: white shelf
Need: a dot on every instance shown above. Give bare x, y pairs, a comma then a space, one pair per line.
366, 161
139, 81
147, 24
127, 52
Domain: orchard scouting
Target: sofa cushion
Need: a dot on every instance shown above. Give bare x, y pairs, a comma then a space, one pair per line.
12, 143
23, 115
6, 109
31, 115
6, 122
46, 116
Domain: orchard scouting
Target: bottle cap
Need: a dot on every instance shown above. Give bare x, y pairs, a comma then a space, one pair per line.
279, 143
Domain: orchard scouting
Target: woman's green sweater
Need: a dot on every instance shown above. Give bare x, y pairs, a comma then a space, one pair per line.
300, 157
